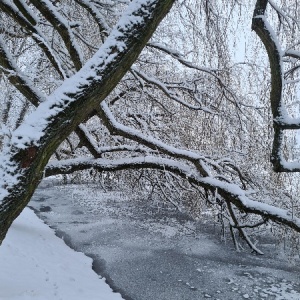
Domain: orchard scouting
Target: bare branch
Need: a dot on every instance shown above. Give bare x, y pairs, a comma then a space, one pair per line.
49, 12
34, 33
16, 77
231, 192
98, 17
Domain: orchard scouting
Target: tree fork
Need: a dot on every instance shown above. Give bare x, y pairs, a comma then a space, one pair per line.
275, 59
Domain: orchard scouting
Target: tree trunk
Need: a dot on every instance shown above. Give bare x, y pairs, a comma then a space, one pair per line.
24, 164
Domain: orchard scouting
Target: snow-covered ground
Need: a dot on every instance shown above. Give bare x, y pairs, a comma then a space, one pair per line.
35, 264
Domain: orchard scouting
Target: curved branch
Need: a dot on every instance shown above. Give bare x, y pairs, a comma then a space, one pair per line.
231, 192
35, 34
24, 9
284, 15
97, 16
116, 128
212, 72
241, 230
179, 57
168, 92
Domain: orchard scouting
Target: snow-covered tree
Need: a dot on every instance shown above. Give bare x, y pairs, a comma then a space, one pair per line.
84, 87
45, 28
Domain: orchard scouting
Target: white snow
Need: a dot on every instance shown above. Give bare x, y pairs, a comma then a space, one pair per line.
34, 127
35, 264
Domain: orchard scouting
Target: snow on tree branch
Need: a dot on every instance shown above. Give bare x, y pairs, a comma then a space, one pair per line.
34, 32
16, 76
231, 192
82, 85
50, 12
99, 18
281, 119
168, 92
36, 139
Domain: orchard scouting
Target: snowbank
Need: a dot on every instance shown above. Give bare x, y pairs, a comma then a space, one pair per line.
35, 264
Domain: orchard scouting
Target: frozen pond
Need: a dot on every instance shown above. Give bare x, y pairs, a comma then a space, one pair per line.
148, 254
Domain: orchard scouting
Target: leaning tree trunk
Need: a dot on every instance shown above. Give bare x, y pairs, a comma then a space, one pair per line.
55, 119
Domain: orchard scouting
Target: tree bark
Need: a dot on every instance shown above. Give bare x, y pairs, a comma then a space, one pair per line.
275, 58
24, 162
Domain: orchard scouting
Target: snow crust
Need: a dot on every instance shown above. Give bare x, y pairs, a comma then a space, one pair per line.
35, 264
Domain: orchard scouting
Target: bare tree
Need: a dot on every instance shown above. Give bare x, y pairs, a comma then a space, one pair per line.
87, 96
